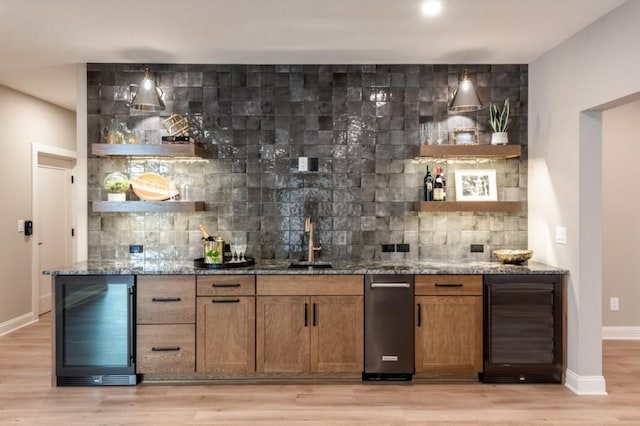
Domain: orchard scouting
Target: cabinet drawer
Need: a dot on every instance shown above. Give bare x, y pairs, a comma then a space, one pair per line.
226, 285
443, 285
308, 285
166, 348
166, 299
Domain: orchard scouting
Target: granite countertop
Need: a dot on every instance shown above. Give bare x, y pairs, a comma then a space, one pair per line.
271, 267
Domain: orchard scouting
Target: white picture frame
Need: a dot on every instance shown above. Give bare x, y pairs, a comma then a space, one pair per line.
476, 185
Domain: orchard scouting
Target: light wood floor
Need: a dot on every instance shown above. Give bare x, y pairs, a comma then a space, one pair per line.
27, 398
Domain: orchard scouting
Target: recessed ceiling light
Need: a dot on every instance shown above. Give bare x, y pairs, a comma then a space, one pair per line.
431, 8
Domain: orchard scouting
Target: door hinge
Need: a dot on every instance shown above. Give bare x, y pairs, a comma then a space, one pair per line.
73, 232
72, 179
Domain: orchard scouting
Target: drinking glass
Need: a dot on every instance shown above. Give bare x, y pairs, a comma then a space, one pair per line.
233, 248
241, 246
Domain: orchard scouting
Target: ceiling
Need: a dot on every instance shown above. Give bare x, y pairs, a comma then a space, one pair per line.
42, 40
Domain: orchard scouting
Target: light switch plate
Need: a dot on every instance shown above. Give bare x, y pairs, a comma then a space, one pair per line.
561, 235
20, 225
303, 164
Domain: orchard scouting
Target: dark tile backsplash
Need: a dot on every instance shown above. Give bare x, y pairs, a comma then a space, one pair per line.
360, 121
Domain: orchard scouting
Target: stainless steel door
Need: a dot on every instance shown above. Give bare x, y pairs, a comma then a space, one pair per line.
388, 325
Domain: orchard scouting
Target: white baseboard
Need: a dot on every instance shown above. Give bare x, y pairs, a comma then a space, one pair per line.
585, 385
621, 333
16, 323
44, 303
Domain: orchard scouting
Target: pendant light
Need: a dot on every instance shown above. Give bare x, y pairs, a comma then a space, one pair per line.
465, 98
149, 96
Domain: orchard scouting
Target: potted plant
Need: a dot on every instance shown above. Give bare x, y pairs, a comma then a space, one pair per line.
499, 122
117, 185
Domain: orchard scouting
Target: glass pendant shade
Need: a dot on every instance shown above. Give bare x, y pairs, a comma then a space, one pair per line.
149, 96
465, 98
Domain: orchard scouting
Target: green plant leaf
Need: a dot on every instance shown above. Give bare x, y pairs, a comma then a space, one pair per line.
499, 119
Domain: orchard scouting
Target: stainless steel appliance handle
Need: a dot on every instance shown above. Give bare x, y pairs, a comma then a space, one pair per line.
390, 285
131, 344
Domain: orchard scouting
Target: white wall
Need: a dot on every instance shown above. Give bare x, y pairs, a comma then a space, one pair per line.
24, 120
621, 215
594, 67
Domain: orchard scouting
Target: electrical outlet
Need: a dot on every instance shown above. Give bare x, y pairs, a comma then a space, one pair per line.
614, 304
477, 248
402, 248
136, 248
303, 164
561, 235
388, 248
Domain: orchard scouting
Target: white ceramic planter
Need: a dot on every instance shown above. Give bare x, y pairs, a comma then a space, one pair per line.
499, 138
121, 196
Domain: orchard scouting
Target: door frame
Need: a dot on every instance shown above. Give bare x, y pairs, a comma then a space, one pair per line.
37, 151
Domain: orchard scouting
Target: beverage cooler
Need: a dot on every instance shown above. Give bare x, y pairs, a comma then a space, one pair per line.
523, 328
95, 330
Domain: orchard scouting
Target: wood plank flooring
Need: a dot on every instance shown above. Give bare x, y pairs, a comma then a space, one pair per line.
27, 398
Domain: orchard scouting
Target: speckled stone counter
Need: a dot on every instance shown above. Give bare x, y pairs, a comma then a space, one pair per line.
270, 266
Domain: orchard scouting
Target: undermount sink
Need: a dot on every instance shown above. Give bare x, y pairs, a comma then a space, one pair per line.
310, 265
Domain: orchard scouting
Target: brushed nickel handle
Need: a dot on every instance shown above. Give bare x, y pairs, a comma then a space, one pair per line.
390, 285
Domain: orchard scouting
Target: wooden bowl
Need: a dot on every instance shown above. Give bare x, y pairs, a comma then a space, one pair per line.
153, 187
513, 256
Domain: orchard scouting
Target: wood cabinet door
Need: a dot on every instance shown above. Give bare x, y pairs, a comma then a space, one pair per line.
337, 333
225, 334
449, 334
282, 334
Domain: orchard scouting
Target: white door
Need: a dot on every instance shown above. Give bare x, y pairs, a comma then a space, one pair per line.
53, 226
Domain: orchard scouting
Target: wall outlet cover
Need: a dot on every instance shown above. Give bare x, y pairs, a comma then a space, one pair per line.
402, 248
388, 248
477, 248
614, 304
313, 164
561, 235
303, 164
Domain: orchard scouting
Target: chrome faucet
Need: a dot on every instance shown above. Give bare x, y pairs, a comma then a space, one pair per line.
312, 250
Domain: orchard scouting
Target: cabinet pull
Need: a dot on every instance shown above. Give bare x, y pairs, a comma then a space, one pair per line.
313, 316
306, 315
170, 349
419, 315
166, 299
226, 301
225, 285
449, 285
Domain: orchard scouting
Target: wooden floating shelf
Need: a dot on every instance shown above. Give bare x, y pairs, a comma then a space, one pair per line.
469, 151
148, 150
469, 206
147, 206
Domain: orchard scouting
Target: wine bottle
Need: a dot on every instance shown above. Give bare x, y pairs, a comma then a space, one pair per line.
205, 234
428, 186
439, 186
